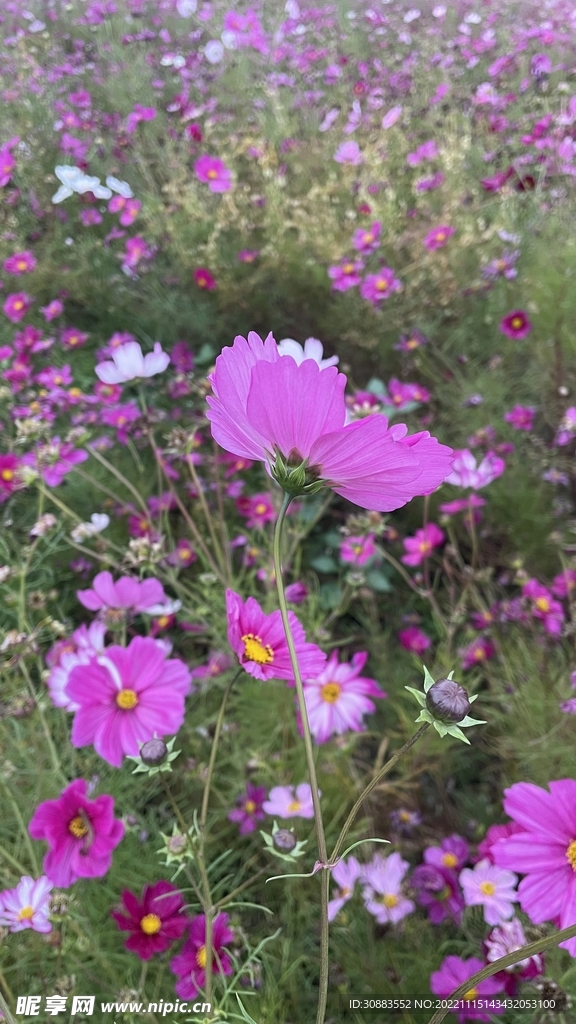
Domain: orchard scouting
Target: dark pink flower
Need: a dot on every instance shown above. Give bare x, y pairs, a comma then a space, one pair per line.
54, 461
544, 607
80, 833
20, 263
414, 640
258, 509
260, 642
477, 652
249, 810
494, 834
516, 325
376, 287
214, 173
452, 974
16, 306
190, 964
521, 417
204, 279
421, 545
358, 550
345, 275
155, 920
9, 478
73, 338
367, 240
437, 238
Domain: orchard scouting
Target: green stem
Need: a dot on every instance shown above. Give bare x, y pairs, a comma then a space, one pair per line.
218, 552
321, 839
12, 860
47, 734
23, 829
505, 961
120, 476
214, 750
372, 785
3, 1004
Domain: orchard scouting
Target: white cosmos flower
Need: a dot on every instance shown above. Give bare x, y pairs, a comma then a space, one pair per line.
214, 51
186, 8
98, 522
312, 349
121, 187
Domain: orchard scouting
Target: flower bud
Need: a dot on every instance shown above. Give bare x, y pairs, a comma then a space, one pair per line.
153, 752
447, 701
284, 840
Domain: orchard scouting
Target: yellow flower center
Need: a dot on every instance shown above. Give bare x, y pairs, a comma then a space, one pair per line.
18, 304
163, 621
390, 900
212, 174
26, 913
381, 286
488, 888
441, 236
294, 806
571, 854
368, 237
127, 699
121, 421
21, 265
404, 815
150, 924
75, 392
57, 379
261, 509
201, 957
543, 604
348, 268
249, 807
412, 343
77, 827
73, 340
450, 860
357, 549
516, 322
425, 546
479, 654
345, 891
7, 474
331, 692
255, 650
471, 994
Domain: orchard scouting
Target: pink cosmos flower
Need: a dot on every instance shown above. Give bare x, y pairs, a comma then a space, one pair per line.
454, 972
479, 651
297, 592
338, 698
258, 509
127, 696
73, 338
84, 644
367, 240
506, 938
494, 834
250, 809
214, 173
452, 853
382, 894
437, 238
218, 662
17, 305
263, 402
465, 472
563, 585
376, 287
403, 394
248, 255
491, 887
391, 117
54, 309
410, 342
20, 263
414, 640
27, 905
128, 363
155, 920
421, 545
358, 550
260, 642
7, 165
349, 153
545, 851
80, 833
284, 802
345, 275
9, 478
127, 208
346, 873
429, 184
566, 428
136, 249
544, 607
438, 891
126, 593
53, 461
521, 417
189, 965
427, 151
516, 325
204, 279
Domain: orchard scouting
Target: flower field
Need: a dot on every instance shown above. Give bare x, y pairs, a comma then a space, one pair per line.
288, 511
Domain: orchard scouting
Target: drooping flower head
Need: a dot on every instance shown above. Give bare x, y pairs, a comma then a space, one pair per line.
260, 642
190, 964
155, 920
27, 905
126, 696
81, 834
437, 890
266, 407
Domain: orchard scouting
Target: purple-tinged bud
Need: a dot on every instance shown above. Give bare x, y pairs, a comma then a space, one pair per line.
153, 752
284, 840
447, 701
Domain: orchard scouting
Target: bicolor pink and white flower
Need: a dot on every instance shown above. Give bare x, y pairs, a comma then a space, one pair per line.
492, 888
466, 473
339, 697
129, 363
27, 905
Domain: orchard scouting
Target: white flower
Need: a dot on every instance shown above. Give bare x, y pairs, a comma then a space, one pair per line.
74, 180
168, 608
186, 8
98, 522
412, 15
121, 187
312, 349
229, 40
214, 51
128, 363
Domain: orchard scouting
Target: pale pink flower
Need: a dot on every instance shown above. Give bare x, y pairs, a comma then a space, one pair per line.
129, 363
491, 887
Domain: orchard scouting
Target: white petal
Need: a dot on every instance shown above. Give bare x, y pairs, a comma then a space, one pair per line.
121, 187
63, 193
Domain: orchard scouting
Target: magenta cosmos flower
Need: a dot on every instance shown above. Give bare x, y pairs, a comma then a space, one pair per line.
358, 550
265, 405
126, 696
422, 544
339, 697
190, 964
155, 920
414, 640
454, 972
545, 851
20, 263
129, 363
345, 275
249, 810
214, 173
437, 238
16, 306
466, 473
516, 325
521, 417
376, 287
260, 642
127, 594
27, 906
80, 833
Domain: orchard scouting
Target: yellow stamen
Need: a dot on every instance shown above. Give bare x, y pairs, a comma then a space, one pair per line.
26, 913
255, 650
295, 806
331, 692
390, 900
450, 860
201, 957
150, 924
249, 807
127, 699
542, 604
212, 174
7, 474
261, 509
516, 322
381, 286
488, 888
77, 827
571, 854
